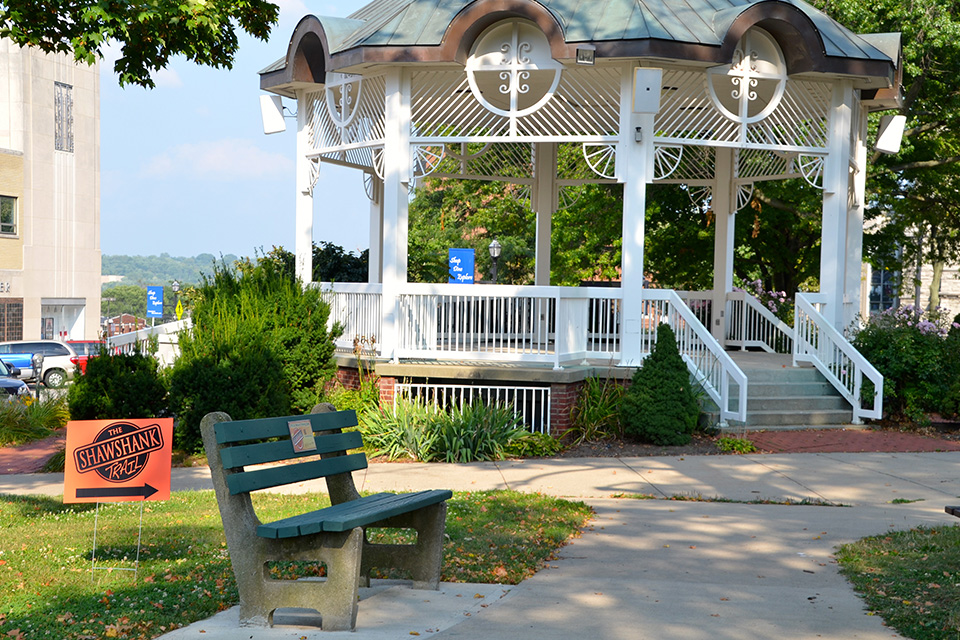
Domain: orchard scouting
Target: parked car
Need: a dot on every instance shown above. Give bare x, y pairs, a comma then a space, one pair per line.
59, 359
11, 386
87, 349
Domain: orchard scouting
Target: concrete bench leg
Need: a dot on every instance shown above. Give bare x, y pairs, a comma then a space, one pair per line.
424, 559
334, 598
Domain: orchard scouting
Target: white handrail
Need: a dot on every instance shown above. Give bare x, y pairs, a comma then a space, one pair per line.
167, 336
705, 357
820, 343
751, 324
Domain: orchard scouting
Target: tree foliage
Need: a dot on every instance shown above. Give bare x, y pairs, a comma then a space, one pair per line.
149, 32
915, 192
259, 347
118, 386
469, 214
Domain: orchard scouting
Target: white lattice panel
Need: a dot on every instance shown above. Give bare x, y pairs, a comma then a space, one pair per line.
357, 119
688, 115
586, 105
800, 120
761, 164
505, 161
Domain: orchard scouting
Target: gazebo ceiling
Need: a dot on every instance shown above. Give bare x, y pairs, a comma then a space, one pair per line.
697, 31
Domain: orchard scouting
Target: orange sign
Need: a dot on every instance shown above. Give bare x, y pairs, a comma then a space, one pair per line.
118, 460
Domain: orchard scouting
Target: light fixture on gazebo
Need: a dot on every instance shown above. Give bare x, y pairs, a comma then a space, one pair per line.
495, 250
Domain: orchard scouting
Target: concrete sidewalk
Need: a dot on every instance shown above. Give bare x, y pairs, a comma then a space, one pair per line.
657, 569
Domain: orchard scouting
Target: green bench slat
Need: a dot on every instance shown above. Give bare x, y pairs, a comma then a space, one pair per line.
287, 474
263, 452
310, 522
263, 428
356, 513
404, 503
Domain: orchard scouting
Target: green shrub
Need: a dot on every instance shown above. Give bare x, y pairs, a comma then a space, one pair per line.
27, 419
478, 431
918, 358
729, 444
596, 412
660, 406
533, 445
408, 431
259, 347
422, 432
118, 386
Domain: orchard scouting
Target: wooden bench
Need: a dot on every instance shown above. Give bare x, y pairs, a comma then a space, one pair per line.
243, 457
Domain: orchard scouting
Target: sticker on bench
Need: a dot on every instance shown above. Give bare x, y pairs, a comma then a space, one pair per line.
301, 435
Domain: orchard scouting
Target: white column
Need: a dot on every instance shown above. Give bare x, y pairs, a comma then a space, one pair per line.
836, 181
854, 274
303, 238
635, 169
544, 202
396, 180
723, 203
374, 257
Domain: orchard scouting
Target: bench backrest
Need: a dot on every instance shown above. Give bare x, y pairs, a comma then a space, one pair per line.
255, 442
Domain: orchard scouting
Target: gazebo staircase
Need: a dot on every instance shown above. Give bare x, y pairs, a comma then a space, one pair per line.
781, 396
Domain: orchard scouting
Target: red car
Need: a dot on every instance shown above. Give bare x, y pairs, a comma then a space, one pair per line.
86, 349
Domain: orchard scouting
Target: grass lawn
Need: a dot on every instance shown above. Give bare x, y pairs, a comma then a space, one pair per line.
911, 579
46, 588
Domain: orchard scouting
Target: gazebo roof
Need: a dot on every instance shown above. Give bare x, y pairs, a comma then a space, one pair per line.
705, 31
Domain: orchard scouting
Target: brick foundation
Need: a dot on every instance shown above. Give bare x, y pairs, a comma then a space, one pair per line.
562, 399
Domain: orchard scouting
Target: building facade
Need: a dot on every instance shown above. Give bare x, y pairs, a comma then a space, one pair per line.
49, 196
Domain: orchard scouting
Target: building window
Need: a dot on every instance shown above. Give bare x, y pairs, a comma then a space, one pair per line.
884, 286
63, 114
11, 318
8, 215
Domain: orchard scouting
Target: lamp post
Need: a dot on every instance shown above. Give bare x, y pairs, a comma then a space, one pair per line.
494, 255
176, 296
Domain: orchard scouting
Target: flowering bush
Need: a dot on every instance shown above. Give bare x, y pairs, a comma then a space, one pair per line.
777, 302
918, 354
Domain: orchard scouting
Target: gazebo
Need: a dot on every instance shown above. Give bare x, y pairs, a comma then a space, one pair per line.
550, 94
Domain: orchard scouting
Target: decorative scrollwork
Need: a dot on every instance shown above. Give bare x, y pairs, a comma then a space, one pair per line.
567, 196
666, 159
744, 194
377, 157
700, 196
601, 158
426, 159
811, 168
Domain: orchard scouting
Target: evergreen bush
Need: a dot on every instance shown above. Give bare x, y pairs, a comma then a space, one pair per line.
660, 406
118, 386
259, 347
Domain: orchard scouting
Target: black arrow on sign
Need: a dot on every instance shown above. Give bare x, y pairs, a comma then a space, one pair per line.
144, 491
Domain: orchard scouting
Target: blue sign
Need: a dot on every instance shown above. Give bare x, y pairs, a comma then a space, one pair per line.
460, 262
155, 302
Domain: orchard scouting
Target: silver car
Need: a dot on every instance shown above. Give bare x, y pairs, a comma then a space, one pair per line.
59, 359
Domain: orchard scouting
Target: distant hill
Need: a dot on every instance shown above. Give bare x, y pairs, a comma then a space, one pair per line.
159, 270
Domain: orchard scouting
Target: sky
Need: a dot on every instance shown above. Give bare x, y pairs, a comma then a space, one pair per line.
186, 168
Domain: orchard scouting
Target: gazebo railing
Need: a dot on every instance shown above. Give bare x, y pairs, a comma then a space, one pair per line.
357, 307
821, 344
534, 325
750, 324
705, 357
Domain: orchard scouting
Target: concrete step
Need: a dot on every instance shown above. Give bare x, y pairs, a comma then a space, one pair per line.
807, 418
785, 427
763, 389
797, 403
787, 375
